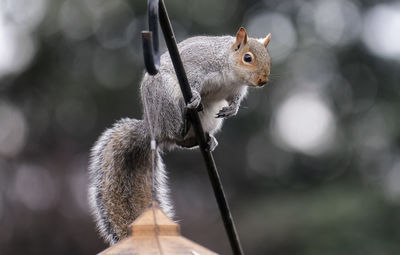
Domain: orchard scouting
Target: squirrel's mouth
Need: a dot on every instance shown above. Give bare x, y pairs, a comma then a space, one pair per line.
261, 82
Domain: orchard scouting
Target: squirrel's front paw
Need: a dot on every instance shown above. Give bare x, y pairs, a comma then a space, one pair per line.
212, 142
194, 101
228, 111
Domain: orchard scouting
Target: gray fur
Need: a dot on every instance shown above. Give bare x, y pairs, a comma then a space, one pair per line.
120, 162
129, 158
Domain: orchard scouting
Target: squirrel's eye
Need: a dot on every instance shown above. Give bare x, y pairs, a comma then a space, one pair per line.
247, 58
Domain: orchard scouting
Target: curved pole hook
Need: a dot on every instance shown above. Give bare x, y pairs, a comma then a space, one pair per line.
150, 39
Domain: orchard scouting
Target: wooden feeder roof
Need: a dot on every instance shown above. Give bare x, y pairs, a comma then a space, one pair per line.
153, 233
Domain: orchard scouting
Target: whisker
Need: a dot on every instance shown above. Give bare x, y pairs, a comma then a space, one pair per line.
280, 74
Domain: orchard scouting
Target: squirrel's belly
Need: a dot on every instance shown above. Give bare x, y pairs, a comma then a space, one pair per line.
210, 123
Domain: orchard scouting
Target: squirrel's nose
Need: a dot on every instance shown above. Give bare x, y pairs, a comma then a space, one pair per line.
262, 81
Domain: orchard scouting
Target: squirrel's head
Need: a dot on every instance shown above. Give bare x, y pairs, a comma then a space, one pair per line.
252, 61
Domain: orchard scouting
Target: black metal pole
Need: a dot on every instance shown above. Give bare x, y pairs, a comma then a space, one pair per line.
198, 128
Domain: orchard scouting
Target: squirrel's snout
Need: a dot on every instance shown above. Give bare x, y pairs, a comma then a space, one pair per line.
262, 81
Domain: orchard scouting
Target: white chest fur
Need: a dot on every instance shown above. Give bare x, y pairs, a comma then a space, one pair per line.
210, 123
216, 93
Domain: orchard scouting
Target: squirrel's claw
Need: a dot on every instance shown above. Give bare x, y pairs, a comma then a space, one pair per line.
212, 143
194, 101
226, 112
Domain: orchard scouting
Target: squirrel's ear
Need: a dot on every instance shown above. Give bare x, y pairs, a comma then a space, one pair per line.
267, 39
241, 38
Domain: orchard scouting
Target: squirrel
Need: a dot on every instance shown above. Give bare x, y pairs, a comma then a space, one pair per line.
219, 71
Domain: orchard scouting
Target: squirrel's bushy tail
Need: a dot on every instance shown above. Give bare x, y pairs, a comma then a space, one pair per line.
120, 178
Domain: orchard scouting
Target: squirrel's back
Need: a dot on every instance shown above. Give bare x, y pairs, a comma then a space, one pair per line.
210, 53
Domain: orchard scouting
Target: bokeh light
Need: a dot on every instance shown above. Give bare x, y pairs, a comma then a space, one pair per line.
74, 20
337, 22
112, 24
305, 123
35, 188
13, 130
24, 14
392, 181
16, 49
279, 25
17, 21
380, 31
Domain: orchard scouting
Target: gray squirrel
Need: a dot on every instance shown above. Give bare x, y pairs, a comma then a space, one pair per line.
219, 70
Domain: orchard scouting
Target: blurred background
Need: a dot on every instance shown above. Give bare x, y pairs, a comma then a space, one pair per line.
311, 164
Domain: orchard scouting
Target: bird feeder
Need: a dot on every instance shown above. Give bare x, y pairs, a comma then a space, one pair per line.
154, 233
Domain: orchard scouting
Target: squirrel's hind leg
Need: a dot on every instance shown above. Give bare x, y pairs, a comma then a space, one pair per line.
191, 142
